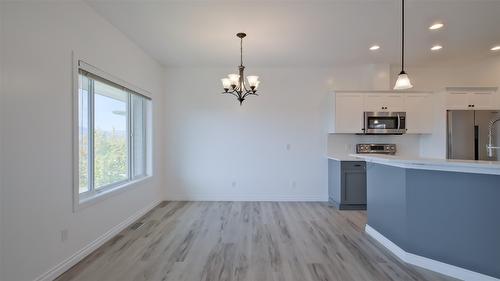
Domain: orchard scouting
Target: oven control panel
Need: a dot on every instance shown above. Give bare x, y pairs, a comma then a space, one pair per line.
379, 148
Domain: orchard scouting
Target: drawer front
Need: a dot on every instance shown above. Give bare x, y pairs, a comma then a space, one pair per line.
353, 165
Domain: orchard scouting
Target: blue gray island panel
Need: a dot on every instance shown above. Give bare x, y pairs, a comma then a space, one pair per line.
446, 216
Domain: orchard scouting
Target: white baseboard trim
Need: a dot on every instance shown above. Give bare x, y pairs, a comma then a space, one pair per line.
430, 264
89, 248
245, 197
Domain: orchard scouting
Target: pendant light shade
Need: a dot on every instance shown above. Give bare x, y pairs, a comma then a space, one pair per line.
403, 81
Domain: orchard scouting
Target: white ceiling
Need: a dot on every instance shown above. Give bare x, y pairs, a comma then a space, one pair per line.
305, 33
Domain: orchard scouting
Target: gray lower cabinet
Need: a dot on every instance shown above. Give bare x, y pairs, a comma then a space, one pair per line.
347, 184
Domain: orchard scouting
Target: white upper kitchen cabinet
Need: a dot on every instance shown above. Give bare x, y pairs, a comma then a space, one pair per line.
419, 113
394, 102
483, 100
457, 100
374, 102
346, 113
347, 110
472, 99
384, 102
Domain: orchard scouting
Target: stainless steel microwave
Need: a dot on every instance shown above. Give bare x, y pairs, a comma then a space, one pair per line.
384, 123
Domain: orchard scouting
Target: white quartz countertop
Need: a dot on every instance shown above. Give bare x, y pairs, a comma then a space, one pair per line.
463, 166
343, 157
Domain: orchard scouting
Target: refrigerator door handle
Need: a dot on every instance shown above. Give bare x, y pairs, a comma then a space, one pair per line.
450, 133
476, 142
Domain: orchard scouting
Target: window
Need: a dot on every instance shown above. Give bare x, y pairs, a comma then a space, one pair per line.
113, 134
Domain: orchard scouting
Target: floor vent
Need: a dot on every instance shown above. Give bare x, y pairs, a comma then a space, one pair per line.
136, 225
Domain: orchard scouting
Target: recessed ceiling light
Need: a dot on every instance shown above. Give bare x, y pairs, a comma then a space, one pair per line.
374, 47
436, 47
496, 48
436, 26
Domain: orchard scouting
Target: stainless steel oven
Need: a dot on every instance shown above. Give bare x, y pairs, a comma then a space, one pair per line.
384, 123
376, 148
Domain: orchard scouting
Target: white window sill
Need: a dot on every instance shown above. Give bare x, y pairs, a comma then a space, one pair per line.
82, 203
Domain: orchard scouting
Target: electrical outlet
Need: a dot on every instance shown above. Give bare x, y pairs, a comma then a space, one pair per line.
64, 235
288, 146
234, 184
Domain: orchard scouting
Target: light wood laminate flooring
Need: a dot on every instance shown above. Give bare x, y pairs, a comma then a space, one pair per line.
251, 241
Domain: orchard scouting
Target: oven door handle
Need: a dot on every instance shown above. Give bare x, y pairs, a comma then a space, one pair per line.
399, 122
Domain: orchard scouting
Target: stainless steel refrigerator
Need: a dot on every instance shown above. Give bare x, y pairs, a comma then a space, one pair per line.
468, 134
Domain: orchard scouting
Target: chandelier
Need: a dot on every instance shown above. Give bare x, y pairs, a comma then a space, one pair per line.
235, 83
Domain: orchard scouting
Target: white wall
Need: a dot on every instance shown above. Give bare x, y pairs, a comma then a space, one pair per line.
219, 150
36, 123
342, 144
1, 117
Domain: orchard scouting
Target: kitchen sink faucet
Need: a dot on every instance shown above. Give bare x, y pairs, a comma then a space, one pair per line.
490, 146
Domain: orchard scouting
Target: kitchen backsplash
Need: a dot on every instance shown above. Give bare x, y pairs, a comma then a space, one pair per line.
407, 145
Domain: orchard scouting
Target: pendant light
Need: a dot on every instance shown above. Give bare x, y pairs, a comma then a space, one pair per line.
403, 81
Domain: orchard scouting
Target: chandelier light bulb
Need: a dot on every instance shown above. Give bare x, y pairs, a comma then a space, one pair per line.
226, 83
234, 79
252, 80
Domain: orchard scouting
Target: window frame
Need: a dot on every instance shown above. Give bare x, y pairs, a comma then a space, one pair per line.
93, 195
146, 145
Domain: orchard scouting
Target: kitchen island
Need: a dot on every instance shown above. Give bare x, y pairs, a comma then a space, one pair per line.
443, 215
